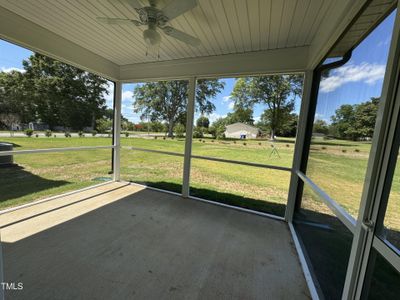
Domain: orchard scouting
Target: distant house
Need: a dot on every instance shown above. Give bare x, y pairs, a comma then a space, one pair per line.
38, 126
17, 126
242, 131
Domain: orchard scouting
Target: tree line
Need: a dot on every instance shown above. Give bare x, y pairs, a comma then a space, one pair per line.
53, 93
352, 122
59, 95
166, 102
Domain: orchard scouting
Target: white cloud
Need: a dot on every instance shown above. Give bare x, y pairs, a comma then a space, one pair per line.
127, 95
364, 72
228, 101
257, 119
215, 116
110, 97
226, 98
8, 70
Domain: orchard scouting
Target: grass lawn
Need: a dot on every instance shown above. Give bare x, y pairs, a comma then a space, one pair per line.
337, 166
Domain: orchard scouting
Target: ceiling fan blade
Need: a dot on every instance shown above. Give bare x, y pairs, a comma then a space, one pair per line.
117, 21
182, 36
178, 7
135, 4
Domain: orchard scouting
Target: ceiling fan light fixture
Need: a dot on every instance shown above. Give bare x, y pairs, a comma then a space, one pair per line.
151, 37
157, 19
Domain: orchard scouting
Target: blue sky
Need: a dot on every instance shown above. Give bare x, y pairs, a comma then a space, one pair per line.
357, 81
361, 78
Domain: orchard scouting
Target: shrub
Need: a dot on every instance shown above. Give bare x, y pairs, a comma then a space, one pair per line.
204, 141
218, 132
259, 144
127, 134
200, 140
323, 148
198, 133
287, 145
103, 125
94, 132
155, 137
234, 142
36, 135
163, 138
344, 150
28, 132
47, 133
179, 130
244, 144
67, 134
54, 136
357, 150
212, 141
80, 133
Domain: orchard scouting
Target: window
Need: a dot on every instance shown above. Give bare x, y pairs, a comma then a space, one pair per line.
249, 119
259, 189
344, 121
41, 175
47, 104
154, 119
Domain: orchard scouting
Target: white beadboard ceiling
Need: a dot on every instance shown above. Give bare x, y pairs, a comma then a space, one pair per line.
237, 36
223, 26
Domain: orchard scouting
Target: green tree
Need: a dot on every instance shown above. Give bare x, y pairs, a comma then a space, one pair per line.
342, 121
355, 121
64, 95
54, 93
166, 101
289, 126
203, 121
180, 130
104, 125
218, 127
276, 92
365, 118
320, 126
15, 97
198, 132
240, 114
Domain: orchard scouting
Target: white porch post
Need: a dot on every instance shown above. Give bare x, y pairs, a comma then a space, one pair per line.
117, 130
299, 145
189, 136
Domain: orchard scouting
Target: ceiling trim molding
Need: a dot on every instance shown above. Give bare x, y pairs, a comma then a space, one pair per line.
288, 60
25, 33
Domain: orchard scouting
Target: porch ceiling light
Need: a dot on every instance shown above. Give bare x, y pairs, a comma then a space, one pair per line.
151, 37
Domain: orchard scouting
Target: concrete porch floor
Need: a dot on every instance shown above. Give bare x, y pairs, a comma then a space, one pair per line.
120, 241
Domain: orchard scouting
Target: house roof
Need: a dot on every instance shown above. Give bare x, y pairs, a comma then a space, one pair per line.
237, 37
241, 126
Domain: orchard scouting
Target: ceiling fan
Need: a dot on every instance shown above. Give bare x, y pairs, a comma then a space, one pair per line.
156, 20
